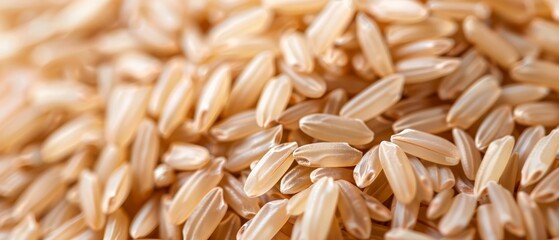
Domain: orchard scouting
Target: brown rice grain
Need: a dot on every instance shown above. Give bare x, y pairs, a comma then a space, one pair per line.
186, 156
498, 123
80, 160
488, 222
318, 216
459, 214
273, 101
540, 31
546, 190
423, 69
404, 215
534, 71
381, 94
213, 98
250, 83
45, 190
494, 163
267, 222
472, 67
309, 85
327, 127
117, 226
377, 211
177, 105
516, 94
327, 154
423, 48
296, 180
147, 218
28, 228
206, 217
296, 52
246, 23
269, 169
459, 10
532, 217
329, 24
125, 110
143, 158
489, 42
353, 210
297, 204
68, 229
194, 189
474, 102
551, 214
537, 113
526, 142
237, 199
235, 127
290, 118
505, 209
227, 228
368, 168
427, 146
334, 173
373, 46
90, 200
110, 158
334, 101
540, 159
440, 204
244, 151
398, 171
163, 175
432, 27
116, 189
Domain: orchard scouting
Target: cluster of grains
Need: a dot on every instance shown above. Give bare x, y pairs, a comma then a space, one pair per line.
279, 119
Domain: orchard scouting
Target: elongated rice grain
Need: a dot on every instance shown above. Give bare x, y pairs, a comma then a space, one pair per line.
398, 170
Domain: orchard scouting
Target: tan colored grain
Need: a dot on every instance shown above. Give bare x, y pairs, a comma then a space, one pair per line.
399, 233
516, 94
459, 10
296, 52
235, 127
309, 85
68, 229
290, 118
404, 215
498, 123
327, 154
206, 217
441, 177
532, 216
546, 190
474, 102
373, 46
398, 170
318, 216
540, 159
267, 222
541, 32
296, 180
511, 174
535, 71
430, 120
43, 192
327, 127
423, 69
194, 189
334, 101
470, 157
28, 228
505, 209
163, 175
427, 146
143, 158
237, 199
297, 204
458, 215
334, 173
488, 222
494, 163
69, 137
117, 226
126, 108
526, 142
440, 204
177, 105
227, 228
489, 42
381, 94
244, 151
398, 11
249, 22
80, 160
273, 101
171, 74
423, 48
110, 158
250, 83
57, 215
472, 66
185, 156
213, 98
537, 113
329, 24
368, 168
90, 200
353, 210
116, 189
146, 219
295, 6
551, 214
432, 27
269, 169
377, 211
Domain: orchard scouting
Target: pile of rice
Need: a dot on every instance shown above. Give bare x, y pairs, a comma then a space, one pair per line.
279, 119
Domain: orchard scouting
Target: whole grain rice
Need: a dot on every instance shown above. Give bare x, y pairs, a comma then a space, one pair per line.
279, 119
